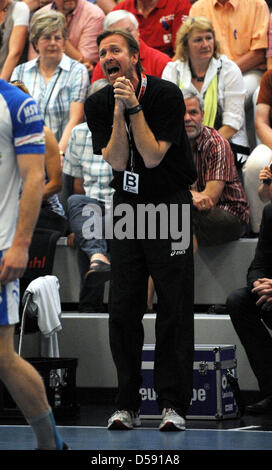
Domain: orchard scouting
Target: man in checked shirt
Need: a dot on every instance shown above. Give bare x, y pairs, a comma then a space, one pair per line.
220, 208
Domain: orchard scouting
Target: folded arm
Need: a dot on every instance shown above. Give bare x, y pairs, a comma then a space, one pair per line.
251, 60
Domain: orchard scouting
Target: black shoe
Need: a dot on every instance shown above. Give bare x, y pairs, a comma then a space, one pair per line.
261, 407
219, 309
99, 272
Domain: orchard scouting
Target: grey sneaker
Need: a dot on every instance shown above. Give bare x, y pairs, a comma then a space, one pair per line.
124, 420
171, 421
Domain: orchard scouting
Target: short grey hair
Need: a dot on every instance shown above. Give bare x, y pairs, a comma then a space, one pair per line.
189, 94
46, 22
113, 16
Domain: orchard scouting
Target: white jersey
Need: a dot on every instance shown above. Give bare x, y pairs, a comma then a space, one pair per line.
21, 132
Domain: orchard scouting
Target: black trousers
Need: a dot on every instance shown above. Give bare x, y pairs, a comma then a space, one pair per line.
248, 320
132, 261
52, 221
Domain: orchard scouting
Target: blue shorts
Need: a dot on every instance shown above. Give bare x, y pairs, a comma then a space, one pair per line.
9, 301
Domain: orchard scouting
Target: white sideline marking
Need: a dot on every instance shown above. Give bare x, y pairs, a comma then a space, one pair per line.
243, 428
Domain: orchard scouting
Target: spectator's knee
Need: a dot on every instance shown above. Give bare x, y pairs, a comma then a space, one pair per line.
234, 301
72, 199
73, 202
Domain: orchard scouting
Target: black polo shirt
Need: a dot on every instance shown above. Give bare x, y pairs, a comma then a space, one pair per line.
164, 109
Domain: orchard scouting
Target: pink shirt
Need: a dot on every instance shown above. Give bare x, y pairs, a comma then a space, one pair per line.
84, 25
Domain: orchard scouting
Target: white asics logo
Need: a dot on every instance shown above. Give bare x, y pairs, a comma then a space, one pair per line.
177, 252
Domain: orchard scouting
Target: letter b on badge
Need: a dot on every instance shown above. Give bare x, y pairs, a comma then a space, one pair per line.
131, 182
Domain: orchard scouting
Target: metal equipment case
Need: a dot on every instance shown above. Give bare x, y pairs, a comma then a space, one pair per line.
213, 398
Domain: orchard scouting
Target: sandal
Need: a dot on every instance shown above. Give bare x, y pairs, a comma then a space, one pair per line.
99, 272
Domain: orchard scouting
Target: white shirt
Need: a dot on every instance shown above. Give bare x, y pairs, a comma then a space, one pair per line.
231, 90
68, 84
20, 14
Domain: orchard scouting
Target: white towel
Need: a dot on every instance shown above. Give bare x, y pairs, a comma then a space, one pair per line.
50, 346
45, 294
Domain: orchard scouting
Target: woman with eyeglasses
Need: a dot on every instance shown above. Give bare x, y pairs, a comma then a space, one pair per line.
58, 83
199, 66
14, 22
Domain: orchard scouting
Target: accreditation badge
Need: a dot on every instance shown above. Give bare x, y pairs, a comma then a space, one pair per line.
131, 182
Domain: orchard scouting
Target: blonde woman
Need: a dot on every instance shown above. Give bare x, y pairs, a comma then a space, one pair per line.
198, 66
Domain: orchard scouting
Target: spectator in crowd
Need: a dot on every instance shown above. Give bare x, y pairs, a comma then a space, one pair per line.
35, 5
14, 22
250, 312
241, 27
152, 60
92, 176
51, 214
199, 67
105, 5
153, 154
58, 83
265, 188
261, 156
220, 209
84, 22
159, 20
22, 157
268, 64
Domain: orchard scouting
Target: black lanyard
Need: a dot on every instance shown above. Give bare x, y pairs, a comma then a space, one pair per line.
53, 87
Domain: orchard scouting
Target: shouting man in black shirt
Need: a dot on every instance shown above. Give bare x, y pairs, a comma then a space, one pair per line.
137, 122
